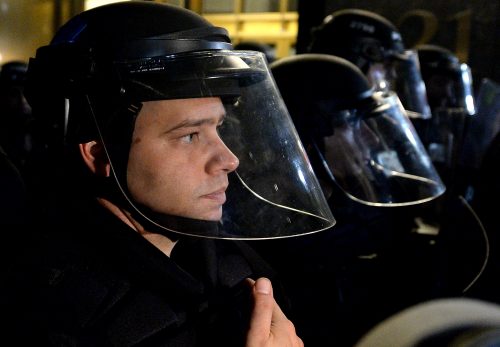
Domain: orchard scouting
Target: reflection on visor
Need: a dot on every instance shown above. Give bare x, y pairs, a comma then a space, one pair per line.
466, 86
377, 158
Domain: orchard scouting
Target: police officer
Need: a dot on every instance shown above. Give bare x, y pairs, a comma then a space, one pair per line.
154, 123
375, 45
373, 169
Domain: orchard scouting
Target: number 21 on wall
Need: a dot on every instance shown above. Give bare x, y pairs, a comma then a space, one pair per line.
430, 26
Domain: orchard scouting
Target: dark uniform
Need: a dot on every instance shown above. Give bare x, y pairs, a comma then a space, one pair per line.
100, 283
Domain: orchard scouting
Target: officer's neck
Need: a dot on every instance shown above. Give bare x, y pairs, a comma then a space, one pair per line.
162, 242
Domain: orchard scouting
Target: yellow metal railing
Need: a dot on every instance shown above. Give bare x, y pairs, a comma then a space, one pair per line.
278, 29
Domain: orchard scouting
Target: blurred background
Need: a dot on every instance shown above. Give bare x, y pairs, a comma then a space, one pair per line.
469, 28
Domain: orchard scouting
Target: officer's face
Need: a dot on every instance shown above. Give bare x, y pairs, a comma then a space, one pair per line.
178, 164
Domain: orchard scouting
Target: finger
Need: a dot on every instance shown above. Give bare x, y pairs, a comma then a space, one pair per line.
263, 309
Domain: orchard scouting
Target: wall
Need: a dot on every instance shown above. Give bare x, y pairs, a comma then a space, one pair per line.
24, 26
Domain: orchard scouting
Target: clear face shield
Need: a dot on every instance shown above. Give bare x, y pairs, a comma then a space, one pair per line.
377, 158
452, 102
273, 193
483, 126
401, 74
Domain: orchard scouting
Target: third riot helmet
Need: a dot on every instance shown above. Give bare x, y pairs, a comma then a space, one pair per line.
374, 44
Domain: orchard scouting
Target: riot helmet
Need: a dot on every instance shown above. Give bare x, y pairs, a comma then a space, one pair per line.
448, 81
12, 80
360, 138
104, 64
13, 73
374, 44
15, 113
449, 91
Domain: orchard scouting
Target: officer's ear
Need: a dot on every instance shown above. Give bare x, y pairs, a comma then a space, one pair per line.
95, 158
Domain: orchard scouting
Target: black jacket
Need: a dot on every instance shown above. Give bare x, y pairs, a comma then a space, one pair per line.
100, 283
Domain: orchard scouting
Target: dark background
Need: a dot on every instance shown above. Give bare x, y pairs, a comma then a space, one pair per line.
469, 28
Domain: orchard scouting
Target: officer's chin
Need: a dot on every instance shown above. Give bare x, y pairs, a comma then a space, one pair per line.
213, 215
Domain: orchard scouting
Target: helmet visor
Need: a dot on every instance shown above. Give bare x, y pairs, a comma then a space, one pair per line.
451, 89
450, 96
377, 158
465, 96
401, 74
273, 193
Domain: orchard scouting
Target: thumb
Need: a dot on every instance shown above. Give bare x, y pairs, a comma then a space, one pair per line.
264, 307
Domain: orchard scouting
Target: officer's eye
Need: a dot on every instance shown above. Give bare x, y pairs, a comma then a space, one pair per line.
189, 138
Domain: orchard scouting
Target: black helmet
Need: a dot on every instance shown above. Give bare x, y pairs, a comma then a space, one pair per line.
374, 44
14, 108
103, 64
297, 78
448, 81
359, 138
15, 112
113, 52
361, 36
13, 73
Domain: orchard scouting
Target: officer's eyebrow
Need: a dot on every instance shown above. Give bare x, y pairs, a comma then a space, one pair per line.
196, 122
